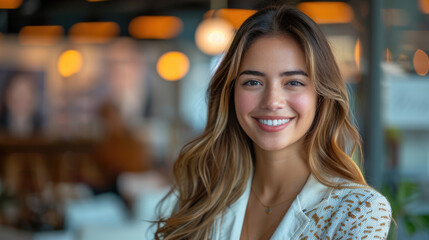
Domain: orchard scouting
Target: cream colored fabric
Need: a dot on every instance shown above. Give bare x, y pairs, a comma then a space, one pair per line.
319, 212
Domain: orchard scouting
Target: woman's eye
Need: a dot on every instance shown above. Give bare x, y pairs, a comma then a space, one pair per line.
295, 83
251, 83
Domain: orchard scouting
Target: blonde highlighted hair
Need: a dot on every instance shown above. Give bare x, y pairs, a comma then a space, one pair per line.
211, 172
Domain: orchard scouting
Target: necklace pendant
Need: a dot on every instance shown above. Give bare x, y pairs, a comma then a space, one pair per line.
268, 210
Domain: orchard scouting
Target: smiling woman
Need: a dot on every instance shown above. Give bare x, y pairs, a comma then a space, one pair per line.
274, 161
273, 87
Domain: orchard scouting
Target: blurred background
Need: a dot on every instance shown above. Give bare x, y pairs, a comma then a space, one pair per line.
97, 97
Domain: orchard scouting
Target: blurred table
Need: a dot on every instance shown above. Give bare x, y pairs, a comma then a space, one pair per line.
44, 146
29, 168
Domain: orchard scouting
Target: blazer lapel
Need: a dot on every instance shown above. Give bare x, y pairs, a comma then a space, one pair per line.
296, 221
293, 223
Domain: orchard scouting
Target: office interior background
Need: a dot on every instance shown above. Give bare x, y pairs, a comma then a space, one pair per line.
97, 97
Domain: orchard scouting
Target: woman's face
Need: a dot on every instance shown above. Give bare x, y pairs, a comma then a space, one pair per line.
275, 100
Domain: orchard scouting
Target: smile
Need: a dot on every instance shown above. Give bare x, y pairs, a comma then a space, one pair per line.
272, 123
275, 122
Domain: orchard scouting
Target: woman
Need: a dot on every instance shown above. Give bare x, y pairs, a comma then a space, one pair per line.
274, 161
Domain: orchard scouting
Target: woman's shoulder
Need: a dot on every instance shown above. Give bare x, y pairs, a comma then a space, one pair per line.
356, 196
352, 210
348, 191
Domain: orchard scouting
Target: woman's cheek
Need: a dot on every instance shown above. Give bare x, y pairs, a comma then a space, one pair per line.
244, 102
303, 104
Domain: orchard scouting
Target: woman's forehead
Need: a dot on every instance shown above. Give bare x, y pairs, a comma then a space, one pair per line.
272, 53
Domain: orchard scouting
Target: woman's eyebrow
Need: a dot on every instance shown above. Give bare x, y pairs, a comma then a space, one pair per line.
261, 74
296, 72
252, 72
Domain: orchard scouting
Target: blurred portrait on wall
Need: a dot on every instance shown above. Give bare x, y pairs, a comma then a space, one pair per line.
21, 102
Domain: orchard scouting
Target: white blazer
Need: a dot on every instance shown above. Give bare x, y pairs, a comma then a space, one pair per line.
318, 212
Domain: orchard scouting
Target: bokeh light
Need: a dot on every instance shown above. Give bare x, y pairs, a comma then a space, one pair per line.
424, 6
327, 12
172, 65
69, 63
214, 35
357, 54
155, 27
235, 17
93, 32
10, 4
40, 35
421, 62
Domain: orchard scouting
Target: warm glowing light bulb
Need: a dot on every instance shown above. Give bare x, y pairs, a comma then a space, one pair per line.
41, 35
214, 35
155, 27
235, 17
10, 4
69, 63
357, 54
424, 6
173, 66
93, 32
327, 12
421, 62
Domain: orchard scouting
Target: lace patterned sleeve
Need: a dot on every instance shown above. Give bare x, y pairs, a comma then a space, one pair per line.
370, 220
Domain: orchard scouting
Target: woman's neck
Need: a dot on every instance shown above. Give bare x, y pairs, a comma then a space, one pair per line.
280, 174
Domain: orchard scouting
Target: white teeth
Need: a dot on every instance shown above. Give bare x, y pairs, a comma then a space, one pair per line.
276, 122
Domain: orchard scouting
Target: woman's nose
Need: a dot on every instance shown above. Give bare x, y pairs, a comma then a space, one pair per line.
273, 99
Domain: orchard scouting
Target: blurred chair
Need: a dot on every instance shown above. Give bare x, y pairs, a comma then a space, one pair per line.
119, 151
24, 173
24, 176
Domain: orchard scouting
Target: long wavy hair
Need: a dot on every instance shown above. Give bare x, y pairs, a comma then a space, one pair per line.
211, 172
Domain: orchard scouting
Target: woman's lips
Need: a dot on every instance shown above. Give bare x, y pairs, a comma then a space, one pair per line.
272, 123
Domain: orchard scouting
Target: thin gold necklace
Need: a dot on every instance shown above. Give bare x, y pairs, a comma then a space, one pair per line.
268, 207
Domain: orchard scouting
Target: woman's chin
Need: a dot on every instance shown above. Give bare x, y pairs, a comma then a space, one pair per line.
271, 147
